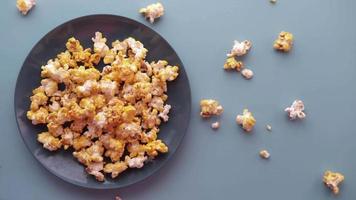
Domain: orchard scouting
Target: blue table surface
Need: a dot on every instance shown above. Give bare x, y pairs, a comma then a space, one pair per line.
221, 164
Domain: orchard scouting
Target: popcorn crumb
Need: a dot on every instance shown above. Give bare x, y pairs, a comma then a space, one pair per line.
153, 11
215, 125
296, 110
284, 42
264, 154
269, 127
210, 107
273, 1
247, 73
246, 120
25, 5
332, 180
240, 48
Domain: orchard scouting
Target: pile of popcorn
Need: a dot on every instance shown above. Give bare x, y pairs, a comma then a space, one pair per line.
114, 113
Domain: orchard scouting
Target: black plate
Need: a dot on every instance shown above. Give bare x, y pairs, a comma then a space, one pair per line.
62, 163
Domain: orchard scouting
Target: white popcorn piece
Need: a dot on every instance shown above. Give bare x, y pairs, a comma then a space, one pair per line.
215, 125
240, 48
269, 127
136, 162
164, 113
25, 5
247, 73
296, 110
100, 44
153, 11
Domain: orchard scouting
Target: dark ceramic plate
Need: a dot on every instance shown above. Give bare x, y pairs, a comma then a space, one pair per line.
62, 163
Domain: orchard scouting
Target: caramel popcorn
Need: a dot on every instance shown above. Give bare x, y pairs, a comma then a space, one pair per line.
25, 5
264, 154
247, 73
296, 110
284, 42
210, 107
232, 63
240, 48
332, 180
153, 11
110, 118
246, 120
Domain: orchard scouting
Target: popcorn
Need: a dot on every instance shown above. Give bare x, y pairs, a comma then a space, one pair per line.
164, 114
246, 120
284, 42
210, 107
269, 127
247, 73
332, 180
264, 154
240, 48
49, 142
25, 5
296, 110
153, 11
136, 162
103, 114
215, 125
232, 63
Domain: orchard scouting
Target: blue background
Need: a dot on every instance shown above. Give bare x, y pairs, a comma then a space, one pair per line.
221, 164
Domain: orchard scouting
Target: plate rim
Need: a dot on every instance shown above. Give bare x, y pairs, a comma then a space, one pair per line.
103, 186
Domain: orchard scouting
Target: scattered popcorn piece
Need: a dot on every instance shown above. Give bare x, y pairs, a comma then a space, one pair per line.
296, 110
153, 11
118, 198
273, 1
232, 63
210, 107
264, 154
269, 127
215, 125
332, 180
284, 42
247, 73
240, 48
246, 120
25, 5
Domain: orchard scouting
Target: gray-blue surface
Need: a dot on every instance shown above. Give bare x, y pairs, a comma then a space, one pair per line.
221, 164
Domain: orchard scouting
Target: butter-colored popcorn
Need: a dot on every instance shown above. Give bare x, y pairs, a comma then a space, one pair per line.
284, 42
332, 180
152, 148
25, 5
49, 141
247, 73
153, 11
240, 48
232, 63
103, 114
135, 162
115, 168
210, 107
296, 110
39, 116
246, 120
